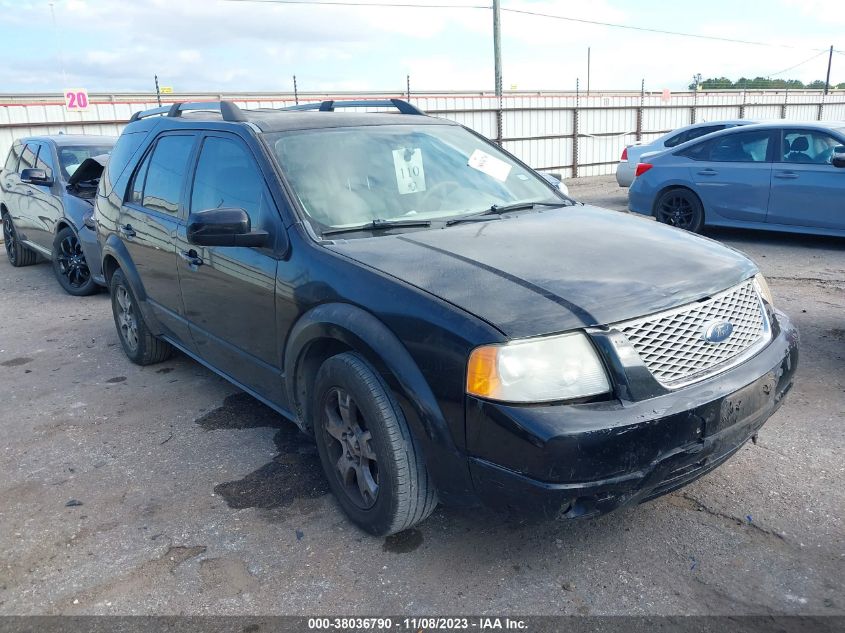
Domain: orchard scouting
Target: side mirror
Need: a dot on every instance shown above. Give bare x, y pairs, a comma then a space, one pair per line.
224, 227
556, 182
838, 158
36, 177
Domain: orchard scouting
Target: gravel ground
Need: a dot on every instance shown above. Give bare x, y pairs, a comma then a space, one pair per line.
163, 490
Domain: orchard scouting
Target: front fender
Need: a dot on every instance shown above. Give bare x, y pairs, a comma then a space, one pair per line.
114, 247
370, 337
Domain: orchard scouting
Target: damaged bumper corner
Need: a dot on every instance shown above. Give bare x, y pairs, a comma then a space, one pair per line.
582, 460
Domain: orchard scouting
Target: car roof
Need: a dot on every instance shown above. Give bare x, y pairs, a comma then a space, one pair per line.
769, 125
215, 115
72, 139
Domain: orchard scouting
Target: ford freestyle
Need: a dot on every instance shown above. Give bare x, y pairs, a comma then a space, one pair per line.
446, 324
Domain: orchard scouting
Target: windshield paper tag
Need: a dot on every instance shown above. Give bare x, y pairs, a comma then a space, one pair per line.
410, 175
490, 165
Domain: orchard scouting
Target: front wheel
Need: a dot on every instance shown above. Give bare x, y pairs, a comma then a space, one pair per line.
680, 208
374, 468
137, 341
70, 265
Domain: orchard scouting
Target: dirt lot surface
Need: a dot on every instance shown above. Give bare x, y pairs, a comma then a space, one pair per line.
163, 490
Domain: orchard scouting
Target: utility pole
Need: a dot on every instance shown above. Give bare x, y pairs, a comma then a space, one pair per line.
497, 46
588, 71
829, 61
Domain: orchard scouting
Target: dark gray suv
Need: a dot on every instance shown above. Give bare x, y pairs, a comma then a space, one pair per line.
47, 189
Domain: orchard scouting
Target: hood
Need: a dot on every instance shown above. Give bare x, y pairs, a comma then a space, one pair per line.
90, 169
550, 271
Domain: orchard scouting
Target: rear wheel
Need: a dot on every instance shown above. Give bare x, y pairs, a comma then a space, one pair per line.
70, 266
18, 254
680, 208
137, 341
374, 468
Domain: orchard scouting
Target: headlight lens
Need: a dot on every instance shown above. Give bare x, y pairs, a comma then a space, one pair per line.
763, 288
537, 370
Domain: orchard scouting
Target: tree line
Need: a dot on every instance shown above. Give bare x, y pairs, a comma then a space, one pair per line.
760, 83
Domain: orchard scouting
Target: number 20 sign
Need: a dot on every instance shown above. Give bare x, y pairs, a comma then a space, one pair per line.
76, 99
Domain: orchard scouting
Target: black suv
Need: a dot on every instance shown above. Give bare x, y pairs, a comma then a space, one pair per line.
445, 323
47, 189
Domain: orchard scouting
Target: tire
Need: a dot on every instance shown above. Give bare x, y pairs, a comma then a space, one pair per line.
69, 265
140, 345
377, 448
18, 254
680, 208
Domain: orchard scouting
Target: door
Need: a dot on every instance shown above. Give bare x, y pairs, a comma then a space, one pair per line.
229, 291
11, 180
732, 174
806, 189
149, 218
44, 201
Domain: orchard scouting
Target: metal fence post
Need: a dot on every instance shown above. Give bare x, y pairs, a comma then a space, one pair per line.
821, 108
785, 103
742, 106
640, 112
575, 130
694, 104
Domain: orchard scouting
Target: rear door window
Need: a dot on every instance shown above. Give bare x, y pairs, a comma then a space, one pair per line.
165, 174
14, 158
742, 147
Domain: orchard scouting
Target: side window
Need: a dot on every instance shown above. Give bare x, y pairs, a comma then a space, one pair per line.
227, 176
808, 147
44, 159
13, 158
166, 173
702, 131
743, 147
136, 191
676, 140
28, 156
122, 152
699, 151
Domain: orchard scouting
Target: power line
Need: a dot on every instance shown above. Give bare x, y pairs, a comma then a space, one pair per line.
661, 31
786, 70
630, 27
338, 3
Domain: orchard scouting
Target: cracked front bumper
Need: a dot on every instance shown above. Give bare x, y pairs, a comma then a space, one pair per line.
582, 460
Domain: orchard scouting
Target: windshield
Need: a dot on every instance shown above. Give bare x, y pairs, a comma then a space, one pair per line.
345, 177
72, 156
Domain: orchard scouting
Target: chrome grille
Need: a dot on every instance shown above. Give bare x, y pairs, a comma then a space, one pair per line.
672, 345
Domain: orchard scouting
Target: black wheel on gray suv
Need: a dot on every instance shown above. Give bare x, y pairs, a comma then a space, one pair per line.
374, 468
70, 266
140, 345
18, 254
680, 208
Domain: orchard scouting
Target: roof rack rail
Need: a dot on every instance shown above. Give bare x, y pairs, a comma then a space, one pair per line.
228, 110
329, 106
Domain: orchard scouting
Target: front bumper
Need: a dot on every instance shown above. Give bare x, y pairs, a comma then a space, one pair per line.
583, 460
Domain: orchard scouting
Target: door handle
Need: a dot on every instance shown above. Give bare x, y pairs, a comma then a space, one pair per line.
30, 192
708, 172
786, 175
191, 257
127, 230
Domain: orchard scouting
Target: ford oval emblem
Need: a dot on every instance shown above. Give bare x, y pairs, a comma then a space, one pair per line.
717, 331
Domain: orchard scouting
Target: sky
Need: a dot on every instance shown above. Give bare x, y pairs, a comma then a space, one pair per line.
233, 46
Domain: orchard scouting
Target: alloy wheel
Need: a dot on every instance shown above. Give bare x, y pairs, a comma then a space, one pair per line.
677, 210
10, 238
126, 320
350, 448
72, 264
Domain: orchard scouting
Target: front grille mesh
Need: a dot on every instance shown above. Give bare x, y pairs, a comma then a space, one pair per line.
671, 343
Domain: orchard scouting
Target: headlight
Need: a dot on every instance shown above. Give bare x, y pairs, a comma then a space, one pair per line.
763, 288
537, 370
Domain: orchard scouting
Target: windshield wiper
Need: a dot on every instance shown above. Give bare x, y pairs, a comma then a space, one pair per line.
377, 225
519, 206
497, 210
